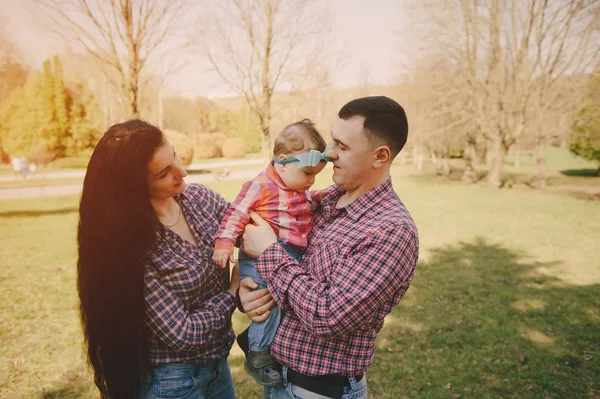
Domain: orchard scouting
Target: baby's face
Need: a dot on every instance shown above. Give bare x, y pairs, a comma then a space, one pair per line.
299, 179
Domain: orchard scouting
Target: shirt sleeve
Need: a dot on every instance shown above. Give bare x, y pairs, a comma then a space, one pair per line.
222, 206
380, 268
236, 217
317, 196
178, 327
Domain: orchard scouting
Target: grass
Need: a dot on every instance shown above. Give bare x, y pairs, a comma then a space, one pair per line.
41, 182
567, 173
505, 302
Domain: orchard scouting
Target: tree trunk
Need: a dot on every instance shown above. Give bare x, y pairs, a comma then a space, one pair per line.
496, 152
489, 154
470, 157
542, 169
267, 90
419, 158
265, 144
445, 165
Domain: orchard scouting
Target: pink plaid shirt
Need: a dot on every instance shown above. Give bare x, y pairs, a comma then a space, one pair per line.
287, 211
359, 264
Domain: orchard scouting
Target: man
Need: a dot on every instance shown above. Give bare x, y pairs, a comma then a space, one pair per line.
359, 263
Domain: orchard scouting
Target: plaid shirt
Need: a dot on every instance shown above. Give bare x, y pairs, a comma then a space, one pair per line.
359, 264
287, 211
188, 312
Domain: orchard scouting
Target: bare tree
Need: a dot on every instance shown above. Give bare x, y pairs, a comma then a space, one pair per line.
12, 72
7, 45
128, 37
513, 53
259, 46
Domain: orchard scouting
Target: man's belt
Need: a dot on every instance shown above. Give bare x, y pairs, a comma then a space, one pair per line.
327, 385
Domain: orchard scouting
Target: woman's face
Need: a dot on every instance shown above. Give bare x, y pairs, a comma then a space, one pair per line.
165, 174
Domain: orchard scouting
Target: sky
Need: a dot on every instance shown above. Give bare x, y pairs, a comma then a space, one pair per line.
369, 30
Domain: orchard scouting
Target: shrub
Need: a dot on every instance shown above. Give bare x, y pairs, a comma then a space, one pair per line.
209, 145
234, 148
184, 146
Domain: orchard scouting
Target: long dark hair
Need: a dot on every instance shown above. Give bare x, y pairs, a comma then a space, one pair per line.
117, 231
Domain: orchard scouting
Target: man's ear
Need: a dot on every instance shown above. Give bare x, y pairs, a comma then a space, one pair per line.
381, 156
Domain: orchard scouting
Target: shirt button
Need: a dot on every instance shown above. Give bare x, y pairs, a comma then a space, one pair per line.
303, 235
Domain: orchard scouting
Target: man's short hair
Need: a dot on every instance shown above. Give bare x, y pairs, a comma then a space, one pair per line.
385, 120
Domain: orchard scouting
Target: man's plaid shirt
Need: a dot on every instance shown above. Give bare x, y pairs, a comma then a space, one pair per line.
359, 263
188, 312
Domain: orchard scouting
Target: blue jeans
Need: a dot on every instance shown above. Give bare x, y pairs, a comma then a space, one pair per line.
355, 390
260, 335
190, 381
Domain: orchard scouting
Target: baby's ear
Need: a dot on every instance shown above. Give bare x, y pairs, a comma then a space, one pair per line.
281, 157
280, 166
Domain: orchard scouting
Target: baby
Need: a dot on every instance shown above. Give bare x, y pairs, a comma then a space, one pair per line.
280, 195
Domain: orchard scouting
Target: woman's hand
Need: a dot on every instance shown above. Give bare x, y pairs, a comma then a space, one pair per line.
235, 279
257, 237
256, 303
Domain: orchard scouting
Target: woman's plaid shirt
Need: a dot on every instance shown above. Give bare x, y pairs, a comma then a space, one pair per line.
359, 263
188, 312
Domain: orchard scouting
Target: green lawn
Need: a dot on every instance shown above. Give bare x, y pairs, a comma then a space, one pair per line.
505, 302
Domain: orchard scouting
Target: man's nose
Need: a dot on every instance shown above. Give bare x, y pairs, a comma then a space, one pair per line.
182, 171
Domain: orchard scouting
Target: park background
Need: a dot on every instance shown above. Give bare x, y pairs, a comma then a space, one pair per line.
500, 171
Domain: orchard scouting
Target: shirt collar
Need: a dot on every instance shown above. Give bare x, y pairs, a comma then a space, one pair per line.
362, 204
273, 175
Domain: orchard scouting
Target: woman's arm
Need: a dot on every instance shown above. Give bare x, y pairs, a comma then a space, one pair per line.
180, 328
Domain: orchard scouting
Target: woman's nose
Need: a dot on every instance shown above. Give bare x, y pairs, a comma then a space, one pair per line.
182, 171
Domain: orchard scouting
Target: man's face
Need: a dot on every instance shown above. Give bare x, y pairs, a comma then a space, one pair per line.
351, 153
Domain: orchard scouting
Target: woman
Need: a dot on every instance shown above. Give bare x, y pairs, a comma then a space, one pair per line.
155, 309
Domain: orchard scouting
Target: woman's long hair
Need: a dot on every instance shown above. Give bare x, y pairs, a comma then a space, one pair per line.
117, 230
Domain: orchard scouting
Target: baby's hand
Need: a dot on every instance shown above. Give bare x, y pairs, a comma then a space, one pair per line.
221, 256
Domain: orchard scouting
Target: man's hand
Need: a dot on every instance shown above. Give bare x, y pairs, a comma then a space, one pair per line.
221, 256
257, 237
256, 303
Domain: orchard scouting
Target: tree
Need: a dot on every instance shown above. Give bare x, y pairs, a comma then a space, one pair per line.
127, 36
257, 46
12, 72
45, 119
85, 121
512, 56
585, 140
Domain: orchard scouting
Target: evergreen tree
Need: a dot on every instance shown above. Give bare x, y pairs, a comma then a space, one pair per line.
86, 122
585, 141
44, 120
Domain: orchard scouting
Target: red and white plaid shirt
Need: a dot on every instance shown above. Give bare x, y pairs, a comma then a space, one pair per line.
359, 263
188, 312
287, 211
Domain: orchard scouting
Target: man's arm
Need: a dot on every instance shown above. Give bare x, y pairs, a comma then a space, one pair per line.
380, 267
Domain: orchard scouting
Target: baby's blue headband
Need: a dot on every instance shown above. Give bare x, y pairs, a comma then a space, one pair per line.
310, 158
